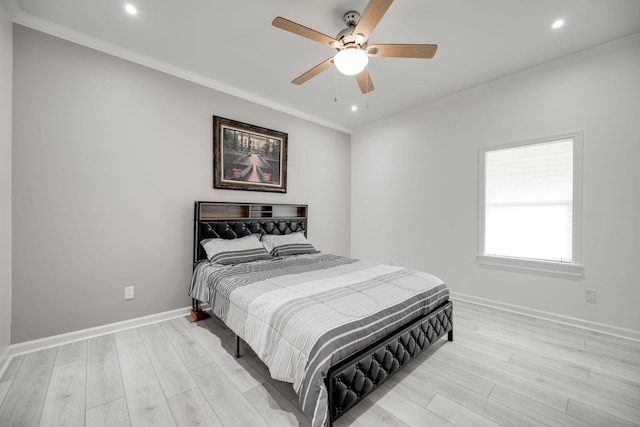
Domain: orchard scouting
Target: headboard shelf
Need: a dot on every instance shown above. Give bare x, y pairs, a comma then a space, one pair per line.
206, 211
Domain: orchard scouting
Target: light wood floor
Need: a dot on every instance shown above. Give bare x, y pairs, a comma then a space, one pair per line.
502, 370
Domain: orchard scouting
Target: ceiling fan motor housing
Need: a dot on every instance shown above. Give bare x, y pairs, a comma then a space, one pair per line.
351, 19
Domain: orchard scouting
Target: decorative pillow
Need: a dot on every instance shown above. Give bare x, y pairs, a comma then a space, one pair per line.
287, 244
235, 251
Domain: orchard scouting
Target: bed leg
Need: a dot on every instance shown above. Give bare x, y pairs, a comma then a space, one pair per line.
450, 335
196, 314
237, 347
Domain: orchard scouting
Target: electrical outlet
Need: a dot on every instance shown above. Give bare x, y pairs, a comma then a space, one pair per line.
590, 295
128, 292
392, 261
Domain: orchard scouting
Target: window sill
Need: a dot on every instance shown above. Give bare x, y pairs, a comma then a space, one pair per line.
569, 270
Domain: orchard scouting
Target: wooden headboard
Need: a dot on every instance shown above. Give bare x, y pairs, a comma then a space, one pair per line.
231, 220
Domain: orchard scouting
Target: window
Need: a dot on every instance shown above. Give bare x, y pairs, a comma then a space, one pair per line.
530, 205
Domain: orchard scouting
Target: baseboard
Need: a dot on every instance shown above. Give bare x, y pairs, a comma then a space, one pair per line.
552, 317
4, 361
56, 340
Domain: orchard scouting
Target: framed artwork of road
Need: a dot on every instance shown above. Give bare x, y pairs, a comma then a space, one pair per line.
247, 157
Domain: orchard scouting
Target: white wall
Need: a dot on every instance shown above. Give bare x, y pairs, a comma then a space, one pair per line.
108, 157
415, 182
6, 61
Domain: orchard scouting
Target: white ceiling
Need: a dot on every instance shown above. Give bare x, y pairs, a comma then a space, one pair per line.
232, 46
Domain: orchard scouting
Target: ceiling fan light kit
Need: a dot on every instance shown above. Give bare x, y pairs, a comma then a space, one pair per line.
352, 44
351, 61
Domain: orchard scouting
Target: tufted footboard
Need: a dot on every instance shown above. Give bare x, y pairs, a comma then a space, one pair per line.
351, 379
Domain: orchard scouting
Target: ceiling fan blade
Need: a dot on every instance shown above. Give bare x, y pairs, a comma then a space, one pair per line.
372, 14
313, 72
402, 50
303, 31
364, 81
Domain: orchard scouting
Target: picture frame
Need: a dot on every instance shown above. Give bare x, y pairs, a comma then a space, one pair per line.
248, 157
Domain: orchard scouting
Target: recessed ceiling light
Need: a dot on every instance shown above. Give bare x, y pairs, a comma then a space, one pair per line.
558, 23
131, 9
354, 108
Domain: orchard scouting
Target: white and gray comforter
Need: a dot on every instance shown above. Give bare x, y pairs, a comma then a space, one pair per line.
303, 313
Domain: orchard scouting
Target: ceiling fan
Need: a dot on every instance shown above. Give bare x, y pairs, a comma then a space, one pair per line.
352, 44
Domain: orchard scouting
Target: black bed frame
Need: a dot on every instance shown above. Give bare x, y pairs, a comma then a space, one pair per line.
353, 378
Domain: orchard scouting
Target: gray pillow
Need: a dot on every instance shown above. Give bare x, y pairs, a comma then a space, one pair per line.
235, 251
280, 245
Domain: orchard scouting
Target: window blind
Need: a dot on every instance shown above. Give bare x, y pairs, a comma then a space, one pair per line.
529, 201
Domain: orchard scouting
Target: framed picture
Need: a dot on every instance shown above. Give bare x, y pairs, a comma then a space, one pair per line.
247, 157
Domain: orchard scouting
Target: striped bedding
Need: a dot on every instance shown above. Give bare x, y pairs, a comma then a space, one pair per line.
301, 314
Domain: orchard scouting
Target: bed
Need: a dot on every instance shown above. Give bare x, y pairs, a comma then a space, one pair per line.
334, 327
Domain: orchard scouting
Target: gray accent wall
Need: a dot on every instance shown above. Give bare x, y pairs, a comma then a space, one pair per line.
6, 67
417, 173
108, 158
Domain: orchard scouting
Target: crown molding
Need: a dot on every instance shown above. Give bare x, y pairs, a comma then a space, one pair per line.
13, 8
77, 37
601, 49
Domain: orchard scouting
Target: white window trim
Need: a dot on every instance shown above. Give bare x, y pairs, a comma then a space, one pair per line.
574, 269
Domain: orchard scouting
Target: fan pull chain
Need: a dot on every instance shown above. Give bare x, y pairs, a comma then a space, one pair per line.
366, 84
335, 84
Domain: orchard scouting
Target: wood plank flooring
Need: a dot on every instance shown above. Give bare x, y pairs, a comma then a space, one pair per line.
503, 369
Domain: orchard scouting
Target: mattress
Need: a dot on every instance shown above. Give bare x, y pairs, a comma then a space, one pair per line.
301, 314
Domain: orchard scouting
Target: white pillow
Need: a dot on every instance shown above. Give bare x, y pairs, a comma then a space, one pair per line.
235, 251
280, 245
